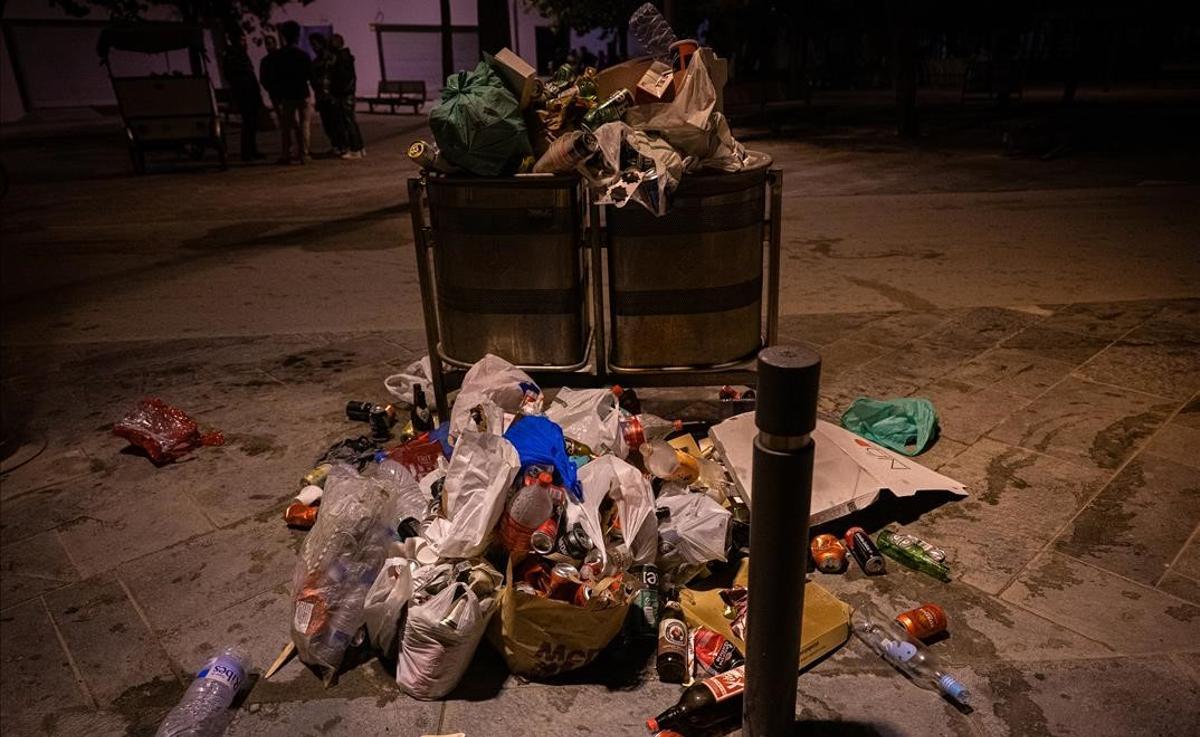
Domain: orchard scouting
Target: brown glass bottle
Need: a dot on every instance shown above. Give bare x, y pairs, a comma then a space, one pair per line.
672, 645
706, 703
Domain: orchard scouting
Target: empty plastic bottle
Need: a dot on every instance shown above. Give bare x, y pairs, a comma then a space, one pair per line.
666, 462
891, 641
204, 709
651, 30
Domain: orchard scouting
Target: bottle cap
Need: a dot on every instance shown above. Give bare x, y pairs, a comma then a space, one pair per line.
652, 724
616, 389
545, 478
952, 688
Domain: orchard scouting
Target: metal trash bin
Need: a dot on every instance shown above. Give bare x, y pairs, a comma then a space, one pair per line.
508, 269
685, 289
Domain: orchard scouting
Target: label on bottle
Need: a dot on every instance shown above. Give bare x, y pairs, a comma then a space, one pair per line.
304, 612
223, 669
728, 684
899, 651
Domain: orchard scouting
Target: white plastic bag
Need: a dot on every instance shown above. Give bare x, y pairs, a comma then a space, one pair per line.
400, 385
589, 416
695, 532
436, 652
499, 381
460, 415
385, 602
477, 480
611, 476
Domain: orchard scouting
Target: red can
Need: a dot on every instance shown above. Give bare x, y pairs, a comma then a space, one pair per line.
299, 514
925, 621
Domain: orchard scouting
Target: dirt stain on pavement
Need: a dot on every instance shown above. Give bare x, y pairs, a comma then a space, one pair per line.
909, 300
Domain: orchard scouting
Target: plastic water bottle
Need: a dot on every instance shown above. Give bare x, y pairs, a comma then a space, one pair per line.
204, 709
892, 642
651, 30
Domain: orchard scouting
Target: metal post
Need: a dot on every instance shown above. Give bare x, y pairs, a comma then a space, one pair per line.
788, 380
433, 338
595, 251
775, 180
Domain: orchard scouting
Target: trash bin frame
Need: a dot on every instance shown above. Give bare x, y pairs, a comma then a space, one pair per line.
596, 368
447, 371
738, 371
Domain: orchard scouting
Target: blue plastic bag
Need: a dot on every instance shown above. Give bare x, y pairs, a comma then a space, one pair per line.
539, 440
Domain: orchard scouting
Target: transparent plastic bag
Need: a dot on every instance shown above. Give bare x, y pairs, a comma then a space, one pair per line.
401, 385
384, 603
339, 561
651, 30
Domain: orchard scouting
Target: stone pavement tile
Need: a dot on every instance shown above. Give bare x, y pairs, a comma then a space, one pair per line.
72, 721
396, 716
940, 453
846, 354
1150, 359
965, 412
35, 675
980, 328
820, 329
1189, 414
1019, 500
55, 465
106, 637
1176, 442
1189, 662
1056, 345
1089, 423
1139, 522
883, 704
1131, 618
898, 329
982, 628
259, 625
1108, 320
32, 567
535, 710
129, 521
1020, 372
1106, 697
923, 362
37, 511
869, 381
188, 581
1188, 562
1181, 586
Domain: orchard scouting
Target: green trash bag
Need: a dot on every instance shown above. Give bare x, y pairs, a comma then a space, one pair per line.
478, 127
904, 425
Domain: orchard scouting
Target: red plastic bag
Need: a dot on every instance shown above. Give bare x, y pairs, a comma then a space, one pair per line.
163, 431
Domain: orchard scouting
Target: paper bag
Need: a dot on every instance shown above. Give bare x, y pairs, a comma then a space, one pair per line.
544, 637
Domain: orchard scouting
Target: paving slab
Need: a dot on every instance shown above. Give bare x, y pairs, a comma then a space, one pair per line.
111, 644
54, 465
1013, 370
1176, 442
1139, 523
337, 717
1019, 500
1182, 586
821, 329
1053, 344
898, 329
980, 328
32, 567
1108, 320
186, 582
1092, 424
965, 411
1104, 697
1160, 358
1131, 618
36, 680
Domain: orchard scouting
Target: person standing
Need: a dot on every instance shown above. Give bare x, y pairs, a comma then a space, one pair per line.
239, 74
290, 78
322, 82
344, 89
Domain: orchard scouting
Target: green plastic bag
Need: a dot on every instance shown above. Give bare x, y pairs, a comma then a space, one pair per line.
478, 127
904, 425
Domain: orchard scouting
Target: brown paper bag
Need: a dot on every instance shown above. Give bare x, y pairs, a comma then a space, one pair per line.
544, 637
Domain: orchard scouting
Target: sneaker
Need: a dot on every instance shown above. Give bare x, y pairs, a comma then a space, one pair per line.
352, 155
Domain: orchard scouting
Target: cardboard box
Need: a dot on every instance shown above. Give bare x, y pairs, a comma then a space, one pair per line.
826, 618
520, 77
623, 76
656, 82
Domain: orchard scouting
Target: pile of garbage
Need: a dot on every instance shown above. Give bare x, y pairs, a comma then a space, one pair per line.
631, 130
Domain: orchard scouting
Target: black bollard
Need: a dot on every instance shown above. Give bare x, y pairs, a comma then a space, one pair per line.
786, 415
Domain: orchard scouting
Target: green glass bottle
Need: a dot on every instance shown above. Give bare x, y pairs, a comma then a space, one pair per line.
912, 556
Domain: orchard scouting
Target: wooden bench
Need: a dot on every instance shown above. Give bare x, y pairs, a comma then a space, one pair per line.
393, 92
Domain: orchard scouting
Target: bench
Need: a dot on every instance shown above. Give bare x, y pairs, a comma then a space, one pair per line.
393, 92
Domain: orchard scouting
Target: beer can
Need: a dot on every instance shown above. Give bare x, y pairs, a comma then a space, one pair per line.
543, 538
925, 621
317, 476
645, 604
423, 154
300, 515
828, 553
563, 580
863, 548
574, 543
